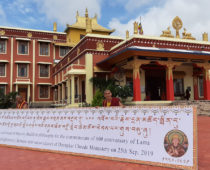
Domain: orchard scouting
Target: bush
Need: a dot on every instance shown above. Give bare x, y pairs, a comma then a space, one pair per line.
98, 99
102, 83
8, 101
124, 91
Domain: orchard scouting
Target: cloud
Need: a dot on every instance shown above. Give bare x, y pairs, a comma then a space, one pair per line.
64, 11
2, 13
20, 6
3, 16
132, 5
194, 14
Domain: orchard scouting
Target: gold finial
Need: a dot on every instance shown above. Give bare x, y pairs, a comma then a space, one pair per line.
177, 24
86, 13
127, 34
205, 36
167, 33
135, 27
187, 35
77, 15
95, 16
55, 27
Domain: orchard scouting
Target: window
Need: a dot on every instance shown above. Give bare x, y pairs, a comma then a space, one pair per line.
44, 70
3, 88
81, 36
200, 86
179, 87
2, 70
44, 48
2, 46
22, 47
22, 70
63, 51
44, 91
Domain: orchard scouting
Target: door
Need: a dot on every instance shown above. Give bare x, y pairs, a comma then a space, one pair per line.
22, 90
83, 91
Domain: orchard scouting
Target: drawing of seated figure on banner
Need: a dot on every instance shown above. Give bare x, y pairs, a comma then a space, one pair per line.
176, 143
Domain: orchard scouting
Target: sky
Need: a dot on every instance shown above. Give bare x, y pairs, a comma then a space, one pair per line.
156, 15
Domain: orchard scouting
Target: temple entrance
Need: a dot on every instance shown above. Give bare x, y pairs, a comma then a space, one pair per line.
22, 90
155, 82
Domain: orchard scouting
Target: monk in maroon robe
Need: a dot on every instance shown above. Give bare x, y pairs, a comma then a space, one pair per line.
111, 101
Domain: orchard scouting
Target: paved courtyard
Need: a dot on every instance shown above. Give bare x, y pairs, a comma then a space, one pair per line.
20, 159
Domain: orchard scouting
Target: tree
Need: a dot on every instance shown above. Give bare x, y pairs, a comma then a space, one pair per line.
117, 91
98, 98
8, 100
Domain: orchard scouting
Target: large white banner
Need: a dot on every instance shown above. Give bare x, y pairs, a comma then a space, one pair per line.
164, 136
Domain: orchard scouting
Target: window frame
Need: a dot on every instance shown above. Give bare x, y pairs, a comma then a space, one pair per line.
48, 92
18, 42
5, 46
183, 92
27, 66
199, 87
48, 49
5, 70
40, 70
60, 51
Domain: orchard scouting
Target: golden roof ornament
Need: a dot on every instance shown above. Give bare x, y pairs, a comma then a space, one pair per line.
205, 36
187, 35
167, 33
96, 16
100, 46
55, 37
135, 27
2, 32
177, 25
86, 13
55, 27
77, 15
29, 35
127, 34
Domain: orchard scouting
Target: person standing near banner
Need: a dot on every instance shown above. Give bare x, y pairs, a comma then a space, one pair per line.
111, 101
21, 104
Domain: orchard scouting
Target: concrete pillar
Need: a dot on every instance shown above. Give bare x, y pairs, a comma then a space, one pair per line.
59, 94
136, 82
28, 93
63, 92
89, 74
72, 89
169, 83
16, 88
206, 84
68, 90
78, 88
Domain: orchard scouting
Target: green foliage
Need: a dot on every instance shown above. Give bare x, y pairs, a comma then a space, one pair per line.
117, 91
102, 83
124, 92
8, 101
98, 99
